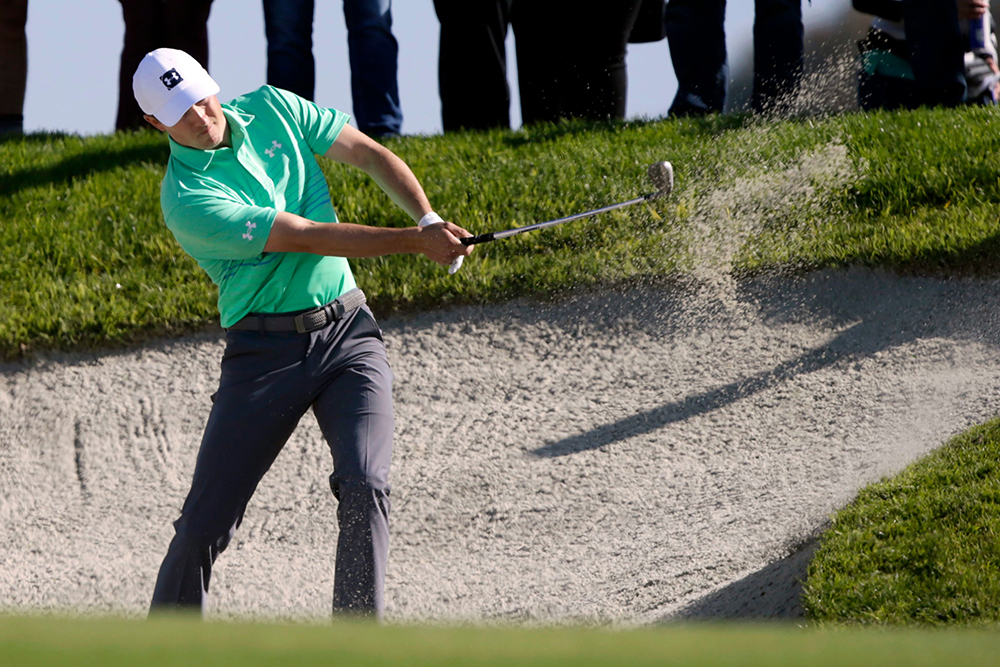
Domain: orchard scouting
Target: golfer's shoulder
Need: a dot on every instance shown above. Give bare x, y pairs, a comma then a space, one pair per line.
184, 189
266, 99
172, 185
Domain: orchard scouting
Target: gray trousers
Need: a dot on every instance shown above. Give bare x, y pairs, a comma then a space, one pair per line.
268, 382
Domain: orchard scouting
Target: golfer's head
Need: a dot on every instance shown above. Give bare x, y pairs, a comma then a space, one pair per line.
178, 96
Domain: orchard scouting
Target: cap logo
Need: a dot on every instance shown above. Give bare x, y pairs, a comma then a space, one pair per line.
171, 78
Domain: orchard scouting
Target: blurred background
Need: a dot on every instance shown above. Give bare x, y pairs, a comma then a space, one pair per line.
74, 50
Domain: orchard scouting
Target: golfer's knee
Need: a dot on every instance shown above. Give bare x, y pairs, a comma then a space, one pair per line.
361, 491
194, 534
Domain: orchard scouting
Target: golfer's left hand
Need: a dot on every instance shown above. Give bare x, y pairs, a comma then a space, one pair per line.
442, 243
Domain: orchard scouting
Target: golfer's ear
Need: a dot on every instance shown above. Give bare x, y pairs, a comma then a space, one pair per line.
155, 123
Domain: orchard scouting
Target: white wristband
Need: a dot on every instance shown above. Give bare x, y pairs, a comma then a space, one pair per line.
430, 219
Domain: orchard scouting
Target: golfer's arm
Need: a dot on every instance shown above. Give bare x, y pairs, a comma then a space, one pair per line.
384, 167
293, 233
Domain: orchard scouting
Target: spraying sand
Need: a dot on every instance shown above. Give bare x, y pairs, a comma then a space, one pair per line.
621, 458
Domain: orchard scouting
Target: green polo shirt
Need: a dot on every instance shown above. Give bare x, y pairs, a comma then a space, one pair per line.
220, 204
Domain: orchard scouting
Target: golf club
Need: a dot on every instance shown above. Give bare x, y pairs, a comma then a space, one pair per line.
661, 174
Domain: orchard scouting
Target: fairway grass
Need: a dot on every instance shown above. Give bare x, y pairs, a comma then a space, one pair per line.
111, 642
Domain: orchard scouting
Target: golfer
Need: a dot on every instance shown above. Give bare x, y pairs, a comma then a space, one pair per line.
244, 196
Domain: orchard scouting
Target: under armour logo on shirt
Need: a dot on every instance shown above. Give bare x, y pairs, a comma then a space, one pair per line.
270, 151
250, 226
171, 78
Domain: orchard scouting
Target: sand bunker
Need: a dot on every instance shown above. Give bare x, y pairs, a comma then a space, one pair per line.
624, 458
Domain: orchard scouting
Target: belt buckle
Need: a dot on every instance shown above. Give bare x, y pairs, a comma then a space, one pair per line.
317, 319
328, 313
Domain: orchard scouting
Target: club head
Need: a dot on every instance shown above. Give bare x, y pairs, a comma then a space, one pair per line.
662, 176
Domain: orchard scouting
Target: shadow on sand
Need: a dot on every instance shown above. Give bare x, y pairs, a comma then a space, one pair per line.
773, 593
873, 312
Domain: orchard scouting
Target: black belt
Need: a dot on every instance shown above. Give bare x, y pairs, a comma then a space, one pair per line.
310, 320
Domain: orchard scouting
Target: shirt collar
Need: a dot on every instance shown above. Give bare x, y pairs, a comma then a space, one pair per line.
200, 159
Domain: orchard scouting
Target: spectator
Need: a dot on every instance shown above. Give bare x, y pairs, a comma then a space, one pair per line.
929, 61
373, 54
152, 24
650, 24
571, 64
472, 63
697, 40
13, 64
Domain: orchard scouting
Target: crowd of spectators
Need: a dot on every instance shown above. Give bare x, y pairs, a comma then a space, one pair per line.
571, 64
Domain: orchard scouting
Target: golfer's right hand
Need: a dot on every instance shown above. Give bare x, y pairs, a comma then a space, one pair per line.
440, 243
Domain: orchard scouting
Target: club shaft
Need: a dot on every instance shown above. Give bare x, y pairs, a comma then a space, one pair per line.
492, 236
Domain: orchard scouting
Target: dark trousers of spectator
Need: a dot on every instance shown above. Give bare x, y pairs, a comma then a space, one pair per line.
154, 24
697, 40
571, 60
883, 92
288, 27
937, 51
269, 380
472, 63
13, 64
373, 53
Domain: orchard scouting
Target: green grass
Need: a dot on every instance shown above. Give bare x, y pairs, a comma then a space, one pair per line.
925, 197
920, 548
87, 261
40, 641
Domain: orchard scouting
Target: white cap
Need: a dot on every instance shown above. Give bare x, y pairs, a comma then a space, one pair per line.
168, 82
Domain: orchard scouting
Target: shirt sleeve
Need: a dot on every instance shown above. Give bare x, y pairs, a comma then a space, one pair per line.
320, 126
220, 227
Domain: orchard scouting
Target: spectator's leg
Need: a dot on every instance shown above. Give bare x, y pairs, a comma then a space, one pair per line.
539, 37
779, 48
145, 31
697, 39
373, 54
869, 95
882, 92
472, 64
571, 63
187, 27
291, 66
13, 64
598, 78
936, 51
547, 35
